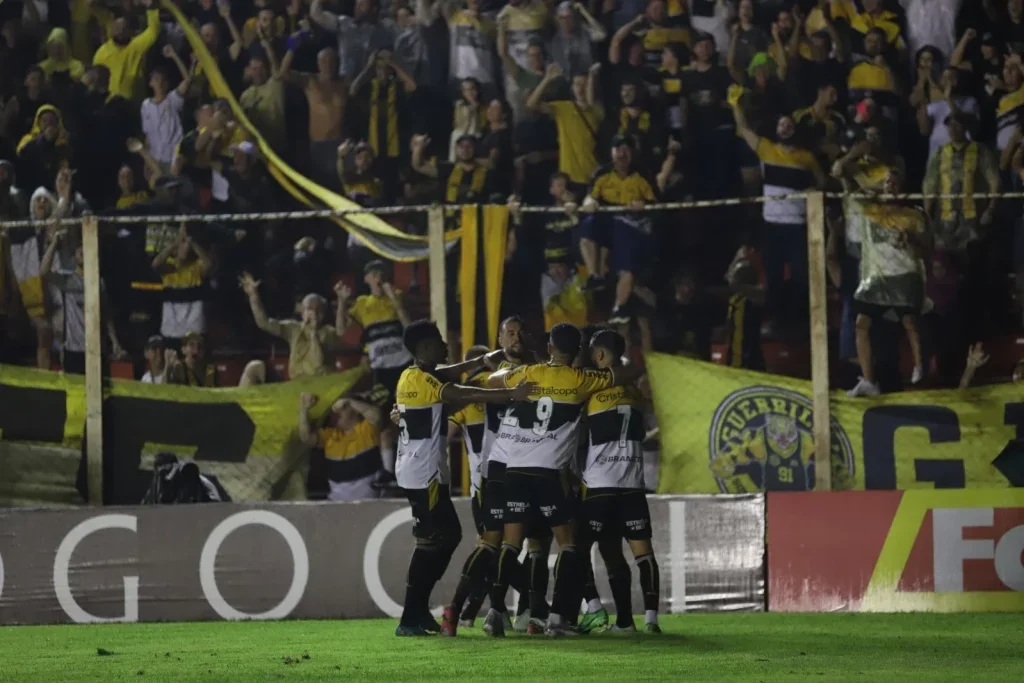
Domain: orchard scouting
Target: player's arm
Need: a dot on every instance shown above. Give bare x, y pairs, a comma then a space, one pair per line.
454, 372
626, 374
460, 393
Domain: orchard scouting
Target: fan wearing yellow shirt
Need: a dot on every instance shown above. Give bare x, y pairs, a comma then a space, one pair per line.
577, 119
123, 54
426, 392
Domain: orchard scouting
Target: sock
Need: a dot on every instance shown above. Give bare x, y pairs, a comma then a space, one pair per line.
418, 584
476, 601
509, 572
650, 584
475, 571
567, 583
620, 580
539, 585
589, 591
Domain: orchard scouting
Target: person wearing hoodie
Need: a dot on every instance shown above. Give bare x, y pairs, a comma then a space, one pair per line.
45, 149
123, 54
60, 67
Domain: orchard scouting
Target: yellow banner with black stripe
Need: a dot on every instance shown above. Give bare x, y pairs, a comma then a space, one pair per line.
246, 438
725, 430
481, 272
380, 237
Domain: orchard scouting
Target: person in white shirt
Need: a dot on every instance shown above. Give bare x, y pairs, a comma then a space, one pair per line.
161, 113
931, 116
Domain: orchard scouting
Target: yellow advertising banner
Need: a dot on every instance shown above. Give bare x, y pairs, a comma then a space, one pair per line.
725, 430
247, 438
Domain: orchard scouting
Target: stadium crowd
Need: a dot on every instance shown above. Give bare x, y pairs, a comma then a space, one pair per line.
104, 108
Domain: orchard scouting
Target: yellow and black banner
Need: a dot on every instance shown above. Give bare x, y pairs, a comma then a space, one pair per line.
246, 438
731, 431
380, 237
481, 272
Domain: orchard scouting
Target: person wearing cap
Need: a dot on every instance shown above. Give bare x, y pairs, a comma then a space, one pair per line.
358, 181
312, 344
787, 168
626, 236
961, 167
251, 189
158, 360
382, 316
466, 181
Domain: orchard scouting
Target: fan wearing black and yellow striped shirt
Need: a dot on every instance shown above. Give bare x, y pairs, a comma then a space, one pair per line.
873, 78
467, 181
387, 87
426, 391
787, 168
350, 439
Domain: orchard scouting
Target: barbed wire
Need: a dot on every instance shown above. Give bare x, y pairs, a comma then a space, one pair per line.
309, 214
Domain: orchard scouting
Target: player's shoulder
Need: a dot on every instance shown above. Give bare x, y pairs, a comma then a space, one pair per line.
415, 380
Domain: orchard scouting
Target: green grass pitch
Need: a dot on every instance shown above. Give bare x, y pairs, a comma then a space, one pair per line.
724, 647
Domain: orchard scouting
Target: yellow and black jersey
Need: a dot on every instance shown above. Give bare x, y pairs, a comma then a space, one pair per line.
743, 341
364, 189
1008, 116
812, 129
462, 185
611, 188
382, 331
656, 38
494, 413
542, 431
353, 455
471, 421
422, 434
869, 80
385, 100
183, 282
558, 237
615, 426
786, 170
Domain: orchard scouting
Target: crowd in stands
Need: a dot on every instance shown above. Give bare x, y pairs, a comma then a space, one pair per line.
105, 108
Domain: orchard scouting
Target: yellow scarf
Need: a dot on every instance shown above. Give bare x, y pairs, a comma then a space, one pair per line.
969, 170
392, 118
476, 185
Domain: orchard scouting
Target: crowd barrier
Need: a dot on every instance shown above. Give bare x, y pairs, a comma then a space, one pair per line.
881, 551
316, 561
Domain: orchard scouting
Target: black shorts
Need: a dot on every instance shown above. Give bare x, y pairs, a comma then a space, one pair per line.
539, 489
492, 505
435, 518
477, 509
615, 513
879, 313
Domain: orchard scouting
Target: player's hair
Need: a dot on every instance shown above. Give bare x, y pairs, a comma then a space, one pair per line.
476, 352
511, 319
418, 332
610, 341
566, 338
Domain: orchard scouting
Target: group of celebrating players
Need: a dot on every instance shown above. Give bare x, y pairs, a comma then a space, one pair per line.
555, 451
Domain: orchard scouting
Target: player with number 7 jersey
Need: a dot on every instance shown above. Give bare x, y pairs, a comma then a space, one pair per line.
537, 439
